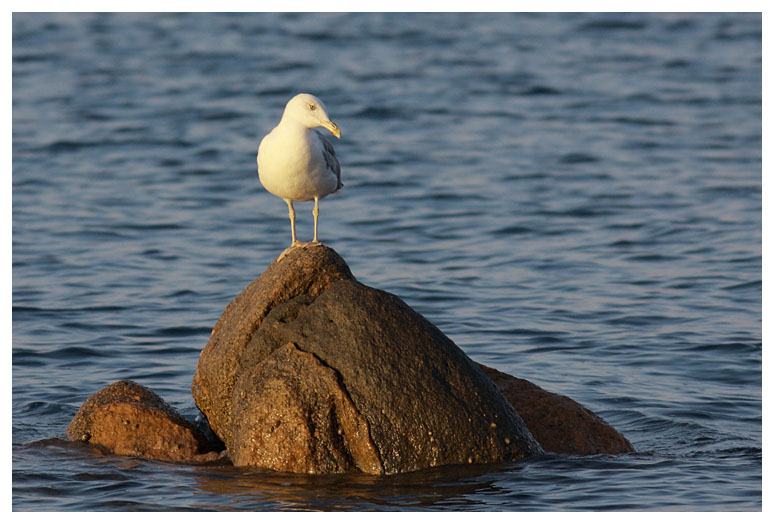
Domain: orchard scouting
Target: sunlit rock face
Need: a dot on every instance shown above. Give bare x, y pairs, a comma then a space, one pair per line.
128, 419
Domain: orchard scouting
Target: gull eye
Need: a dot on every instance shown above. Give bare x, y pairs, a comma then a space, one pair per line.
313, 107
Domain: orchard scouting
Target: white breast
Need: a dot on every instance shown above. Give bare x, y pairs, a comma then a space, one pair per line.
291, 164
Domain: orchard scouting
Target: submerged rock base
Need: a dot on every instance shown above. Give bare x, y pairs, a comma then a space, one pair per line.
310, 371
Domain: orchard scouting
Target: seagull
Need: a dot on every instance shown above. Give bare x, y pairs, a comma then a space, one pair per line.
296, 162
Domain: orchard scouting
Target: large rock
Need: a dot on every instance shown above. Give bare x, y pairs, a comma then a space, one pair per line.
310, 371
130, 420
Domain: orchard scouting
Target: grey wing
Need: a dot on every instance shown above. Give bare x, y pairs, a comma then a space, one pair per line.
332, 163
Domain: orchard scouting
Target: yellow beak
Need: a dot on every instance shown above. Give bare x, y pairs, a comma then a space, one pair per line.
333, 128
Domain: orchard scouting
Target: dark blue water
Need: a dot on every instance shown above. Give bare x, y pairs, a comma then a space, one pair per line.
574, 199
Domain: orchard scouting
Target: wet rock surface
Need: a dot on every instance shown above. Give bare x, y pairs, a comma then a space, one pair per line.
559, 423
128, 419
294, 414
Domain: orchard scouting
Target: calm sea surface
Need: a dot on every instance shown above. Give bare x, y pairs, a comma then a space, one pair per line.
574, 199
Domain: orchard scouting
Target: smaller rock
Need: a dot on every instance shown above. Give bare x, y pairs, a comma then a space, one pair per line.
131, 420
557, 422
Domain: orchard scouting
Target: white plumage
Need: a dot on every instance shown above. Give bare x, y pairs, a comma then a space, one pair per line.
296, 162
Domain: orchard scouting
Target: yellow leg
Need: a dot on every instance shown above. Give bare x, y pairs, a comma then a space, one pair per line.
315, 214
292, 215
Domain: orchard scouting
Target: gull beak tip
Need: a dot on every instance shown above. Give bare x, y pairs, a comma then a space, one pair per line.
334, 129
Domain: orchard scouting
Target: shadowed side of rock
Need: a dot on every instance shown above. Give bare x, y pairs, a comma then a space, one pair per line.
130, 420
559, 423
308, 270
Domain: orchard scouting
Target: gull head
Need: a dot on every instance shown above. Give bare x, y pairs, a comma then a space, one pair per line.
308, 110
